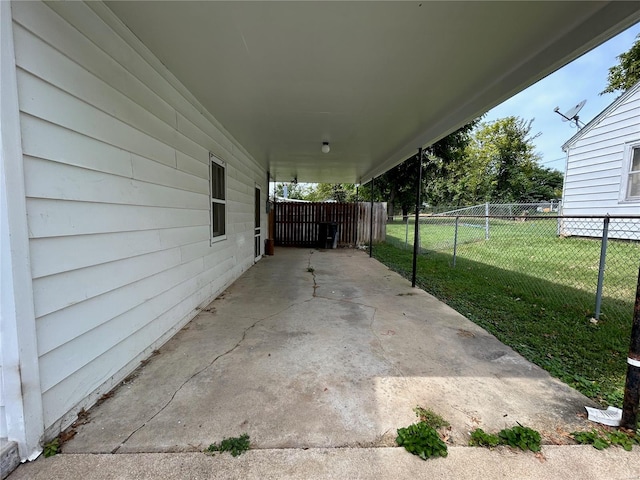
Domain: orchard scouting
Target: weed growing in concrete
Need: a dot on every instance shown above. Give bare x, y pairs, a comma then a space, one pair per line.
521, 437
430, 417
524, 438
234, 445
422, 440
479, 438
604, 439
51, 448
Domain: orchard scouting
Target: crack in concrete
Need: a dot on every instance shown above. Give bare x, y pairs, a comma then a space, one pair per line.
383, 443
311, 270
244, 335
373, 317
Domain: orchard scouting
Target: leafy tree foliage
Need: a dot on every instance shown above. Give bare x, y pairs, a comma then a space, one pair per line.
445, 166
294, 191
627, 72
489, 161
502, 163
544, 184
397, 187
340, 192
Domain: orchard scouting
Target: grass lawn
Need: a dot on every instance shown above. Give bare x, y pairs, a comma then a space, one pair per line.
535, 292
533, 248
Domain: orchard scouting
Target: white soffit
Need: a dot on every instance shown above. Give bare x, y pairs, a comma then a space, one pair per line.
375, 79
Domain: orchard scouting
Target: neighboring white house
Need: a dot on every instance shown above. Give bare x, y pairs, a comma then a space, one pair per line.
602, 174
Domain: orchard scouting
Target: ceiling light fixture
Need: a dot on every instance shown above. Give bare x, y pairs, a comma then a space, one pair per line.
325, 147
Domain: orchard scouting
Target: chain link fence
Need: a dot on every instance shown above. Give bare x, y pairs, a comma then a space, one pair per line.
586, 264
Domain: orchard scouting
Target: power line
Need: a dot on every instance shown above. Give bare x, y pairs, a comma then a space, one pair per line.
552, 161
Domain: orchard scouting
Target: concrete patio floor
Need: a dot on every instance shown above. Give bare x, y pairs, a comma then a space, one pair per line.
322, 356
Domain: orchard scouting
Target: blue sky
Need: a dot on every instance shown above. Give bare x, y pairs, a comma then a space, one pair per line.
584, 78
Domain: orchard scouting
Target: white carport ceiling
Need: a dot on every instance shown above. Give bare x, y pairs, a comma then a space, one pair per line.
375, 79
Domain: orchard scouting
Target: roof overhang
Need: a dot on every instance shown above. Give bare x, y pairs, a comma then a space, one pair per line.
375, 79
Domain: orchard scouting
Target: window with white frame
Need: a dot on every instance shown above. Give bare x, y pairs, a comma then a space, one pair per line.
631, 174
218, 197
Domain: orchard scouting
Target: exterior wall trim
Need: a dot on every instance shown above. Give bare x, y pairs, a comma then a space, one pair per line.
20, 367
624, 172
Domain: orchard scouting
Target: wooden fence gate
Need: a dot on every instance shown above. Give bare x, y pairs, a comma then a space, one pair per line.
298, 224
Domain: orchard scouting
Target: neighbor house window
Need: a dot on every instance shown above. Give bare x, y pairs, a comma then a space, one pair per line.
218, 197
631, 174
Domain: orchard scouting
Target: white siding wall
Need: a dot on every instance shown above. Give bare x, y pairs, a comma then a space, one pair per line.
116, 177
594, 166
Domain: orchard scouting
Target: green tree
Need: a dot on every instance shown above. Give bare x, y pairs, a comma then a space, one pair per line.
399, 186
340, 192
445, 165
294, 191
440, 162
544, 184
501, 160
627, 72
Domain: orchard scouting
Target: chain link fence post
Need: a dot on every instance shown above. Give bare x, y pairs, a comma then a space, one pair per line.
603, 256
406, 232
486, 221
455, 242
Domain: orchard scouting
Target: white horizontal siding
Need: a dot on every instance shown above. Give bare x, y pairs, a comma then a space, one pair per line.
608, 175
605, 139
588, 189
57, 254
594, 168
45, 179
603, 161
51, 218
621, 229
116, 156
82, 317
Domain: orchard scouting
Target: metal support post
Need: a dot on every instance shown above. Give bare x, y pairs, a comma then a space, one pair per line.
373, 184
631, 400
603, 256
416, 231
275, 210
356, 219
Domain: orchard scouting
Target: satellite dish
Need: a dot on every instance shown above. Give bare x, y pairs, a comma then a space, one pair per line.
572, 114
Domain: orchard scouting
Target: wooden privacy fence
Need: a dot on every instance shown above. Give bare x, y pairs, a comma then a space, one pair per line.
364, 222
298, 224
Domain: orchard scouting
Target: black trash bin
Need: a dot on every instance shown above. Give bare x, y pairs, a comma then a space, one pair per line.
327, 235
